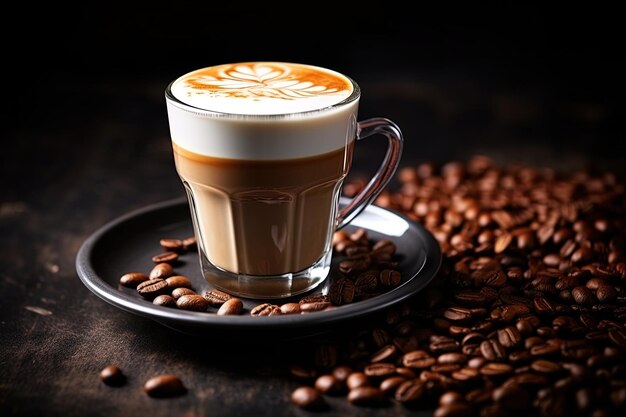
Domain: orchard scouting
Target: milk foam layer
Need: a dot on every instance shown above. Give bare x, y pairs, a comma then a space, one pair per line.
262, 88
262, 137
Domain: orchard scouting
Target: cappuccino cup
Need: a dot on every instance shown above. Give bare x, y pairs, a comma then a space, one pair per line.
262, 149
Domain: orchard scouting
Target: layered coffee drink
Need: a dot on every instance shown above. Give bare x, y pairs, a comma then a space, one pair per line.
262, 149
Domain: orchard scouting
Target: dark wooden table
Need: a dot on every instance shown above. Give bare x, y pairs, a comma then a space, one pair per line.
87, 150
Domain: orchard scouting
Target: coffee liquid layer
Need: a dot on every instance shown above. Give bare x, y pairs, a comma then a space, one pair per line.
260, 217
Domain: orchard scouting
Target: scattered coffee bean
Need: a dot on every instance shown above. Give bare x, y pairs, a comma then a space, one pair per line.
390, 385
216, 298
266, 309
113, 376
165, 257
161, 270
189, 243
356, 380
341, 292
132, 279
172, 245
178, 281
366, 396
308, 398
192, 303
231, 307
328, 384
314, 306
290, 308
152, 288
165, 385
390, 278
410, 391
179, 292
164, 300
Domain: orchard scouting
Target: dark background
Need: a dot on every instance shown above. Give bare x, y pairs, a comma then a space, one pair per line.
85, 139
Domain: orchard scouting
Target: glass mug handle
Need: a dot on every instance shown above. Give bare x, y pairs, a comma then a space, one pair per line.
366, 128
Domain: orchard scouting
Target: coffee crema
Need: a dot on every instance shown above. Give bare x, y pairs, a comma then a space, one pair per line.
262, 88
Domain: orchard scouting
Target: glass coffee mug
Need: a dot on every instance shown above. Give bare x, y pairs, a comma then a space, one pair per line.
262, 149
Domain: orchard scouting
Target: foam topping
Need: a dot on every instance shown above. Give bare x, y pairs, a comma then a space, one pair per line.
262, 88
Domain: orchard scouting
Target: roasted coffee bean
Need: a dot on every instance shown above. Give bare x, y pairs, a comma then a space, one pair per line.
152, 288
583, 295
303, 373
606, 293
314, 306
165, 257
342, 372
355, 264
366, 396
328, 384
179, 292
341, 292
502, 242
308, 398
458, 314
216, 298
496, 369
418, 359
112, 375
384, 246
266, 309
164, 300
390, 385
406, 372
491, 277
132, 279
173, 245
380, 337
384, 354
290, 308
618, 336
165, 385
161, 270
189, 243
544, 350
178, 281
389, 277
451, 397
366, 282
231, 307
543, 306
545, 367
379, 370
452, 358
326, 356
509, 336
466, 374
410, 391
444, 346
492, 350
356, 380
192, 303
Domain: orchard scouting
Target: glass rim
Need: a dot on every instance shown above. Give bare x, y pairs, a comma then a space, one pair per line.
355, 95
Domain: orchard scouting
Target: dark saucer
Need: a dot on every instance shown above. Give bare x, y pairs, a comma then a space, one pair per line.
128, 243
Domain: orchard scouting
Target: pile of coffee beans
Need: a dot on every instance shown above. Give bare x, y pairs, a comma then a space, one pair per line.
367, 268
526, 316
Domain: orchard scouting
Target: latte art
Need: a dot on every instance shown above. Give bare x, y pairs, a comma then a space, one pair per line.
262, 88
